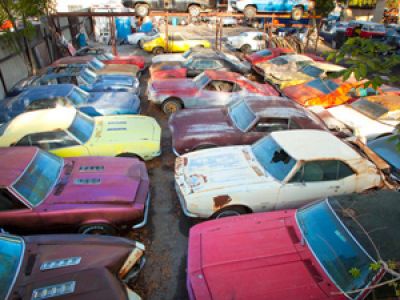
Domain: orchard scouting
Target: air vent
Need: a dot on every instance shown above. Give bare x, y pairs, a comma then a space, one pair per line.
87, 181
52, 291
116, 129
117, 123
313, 271
293, 235
86, 169
60, 263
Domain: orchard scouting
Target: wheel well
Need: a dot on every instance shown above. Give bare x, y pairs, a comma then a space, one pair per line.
193, 4
175, 99
129, 154
245, 207
97, 223
251, 5
141, 2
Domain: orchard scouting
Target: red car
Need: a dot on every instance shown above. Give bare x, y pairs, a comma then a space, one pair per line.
302, 254
365, 29
86, 194
69, 267
267, 54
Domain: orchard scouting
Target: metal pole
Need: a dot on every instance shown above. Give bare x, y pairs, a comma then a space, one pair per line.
166, 32
220, 33
113, 38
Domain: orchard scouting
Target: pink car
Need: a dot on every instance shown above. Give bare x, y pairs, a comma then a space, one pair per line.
309, 253
40, 191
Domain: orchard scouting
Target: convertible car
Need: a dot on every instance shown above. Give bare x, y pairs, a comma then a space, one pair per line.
69, 133
42, 192
292, 167
60, 266
211, 88
51, 96
240, 123
302, 254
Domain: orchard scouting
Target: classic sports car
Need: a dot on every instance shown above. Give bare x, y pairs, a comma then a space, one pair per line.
306, 72
95, 65
322, 92
176, 43
109, 58
240, 123
247, 41
51, 96
387, 148
367, 118
267, 54
64, 266
139, 38
197, 64
82, 77
42, 192
235, 180
180, 57
211, 88
68, 133
287, 63
299, 254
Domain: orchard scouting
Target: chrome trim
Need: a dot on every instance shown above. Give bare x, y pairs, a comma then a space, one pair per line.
183, 204
145, 215
18, 268
175, 152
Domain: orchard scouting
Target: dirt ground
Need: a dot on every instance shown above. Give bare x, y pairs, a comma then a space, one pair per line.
166, 234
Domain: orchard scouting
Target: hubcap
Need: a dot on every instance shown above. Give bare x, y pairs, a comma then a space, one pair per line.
228, 213
171, 107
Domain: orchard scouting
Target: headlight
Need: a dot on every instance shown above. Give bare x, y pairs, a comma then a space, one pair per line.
135, 257
131, 294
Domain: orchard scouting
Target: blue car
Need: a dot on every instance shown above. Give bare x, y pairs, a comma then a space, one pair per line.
82, 77
50, 96
251, 7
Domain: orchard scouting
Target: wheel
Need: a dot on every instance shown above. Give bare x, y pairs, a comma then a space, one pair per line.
170, 106
245, 49
130, 155
194, 10
142, 10
297, 13
158, 50
101, 229
230, 212
141, 43
250, 12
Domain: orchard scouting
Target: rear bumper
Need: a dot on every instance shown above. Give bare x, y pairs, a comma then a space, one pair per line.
145, 214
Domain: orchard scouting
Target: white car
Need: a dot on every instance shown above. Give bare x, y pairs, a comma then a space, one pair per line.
139, 38
367, 118
288, 62
284, 170
247, 41
179, 57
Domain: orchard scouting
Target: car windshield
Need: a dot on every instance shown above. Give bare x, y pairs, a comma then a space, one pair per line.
273, 158
379, 28
312, 71
386, 149
371, 109
82, 127
11, 254
88, 76
96, 64
241, 115
39, 178
201, 80
264, 53
78, 97
334, 247
187, 53
324, 86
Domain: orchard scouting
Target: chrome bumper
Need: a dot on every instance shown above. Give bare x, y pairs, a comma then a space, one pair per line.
182, 202
145, 215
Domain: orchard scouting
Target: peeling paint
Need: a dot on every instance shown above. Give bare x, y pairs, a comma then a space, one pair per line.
221, 201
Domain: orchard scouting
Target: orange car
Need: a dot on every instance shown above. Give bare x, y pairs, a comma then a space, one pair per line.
326, 93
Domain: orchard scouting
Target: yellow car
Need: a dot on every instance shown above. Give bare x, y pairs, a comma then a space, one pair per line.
67, 132
176, 43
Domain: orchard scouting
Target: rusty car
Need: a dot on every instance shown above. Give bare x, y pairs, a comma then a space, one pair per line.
210, 88
283, 170
239, 123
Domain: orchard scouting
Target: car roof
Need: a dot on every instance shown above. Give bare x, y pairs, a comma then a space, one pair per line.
13, 162
295, 57
308, 144
222, 75
47, 91
327, 66
390, 102
378, 213
37, 121
73, 60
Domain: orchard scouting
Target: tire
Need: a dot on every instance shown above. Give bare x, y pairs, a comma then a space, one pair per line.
158, 50
100, 229
171, 105
142, 10
194, 10
246, 48
140, 43
250, 12
231, 211
297, 13
129, 155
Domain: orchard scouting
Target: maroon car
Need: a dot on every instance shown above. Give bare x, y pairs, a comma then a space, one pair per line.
240, 123
75, 267
40, 191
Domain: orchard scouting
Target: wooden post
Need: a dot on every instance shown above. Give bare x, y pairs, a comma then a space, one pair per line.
265, 33
166, 32
221, 25
216, 32
113, 37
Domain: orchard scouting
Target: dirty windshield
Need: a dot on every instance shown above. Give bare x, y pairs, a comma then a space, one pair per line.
242, 116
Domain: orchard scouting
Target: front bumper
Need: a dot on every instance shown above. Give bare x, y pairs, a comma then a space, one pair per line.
183, 203
145, 214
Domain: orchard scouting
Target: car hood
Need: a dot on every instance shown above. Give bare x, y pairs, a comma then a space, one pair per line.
101, 258
119, 69
174, 85
221, 168
289, 76
97, 181
251, 257
115, 100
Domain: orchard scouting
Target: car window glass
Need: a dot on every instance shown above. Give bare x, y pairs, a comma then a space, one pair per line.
327, 170
275, 124
48, 140
220, 86
176, 37
42, 104
8, 202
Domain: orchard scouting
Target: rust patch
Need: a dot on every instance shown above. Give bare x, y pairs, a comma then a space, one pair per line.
258, 171
130, 262
221, 201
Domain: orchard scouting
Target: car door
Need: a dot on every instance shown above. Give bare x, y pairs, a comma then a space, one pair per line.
316, 180
216, 93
